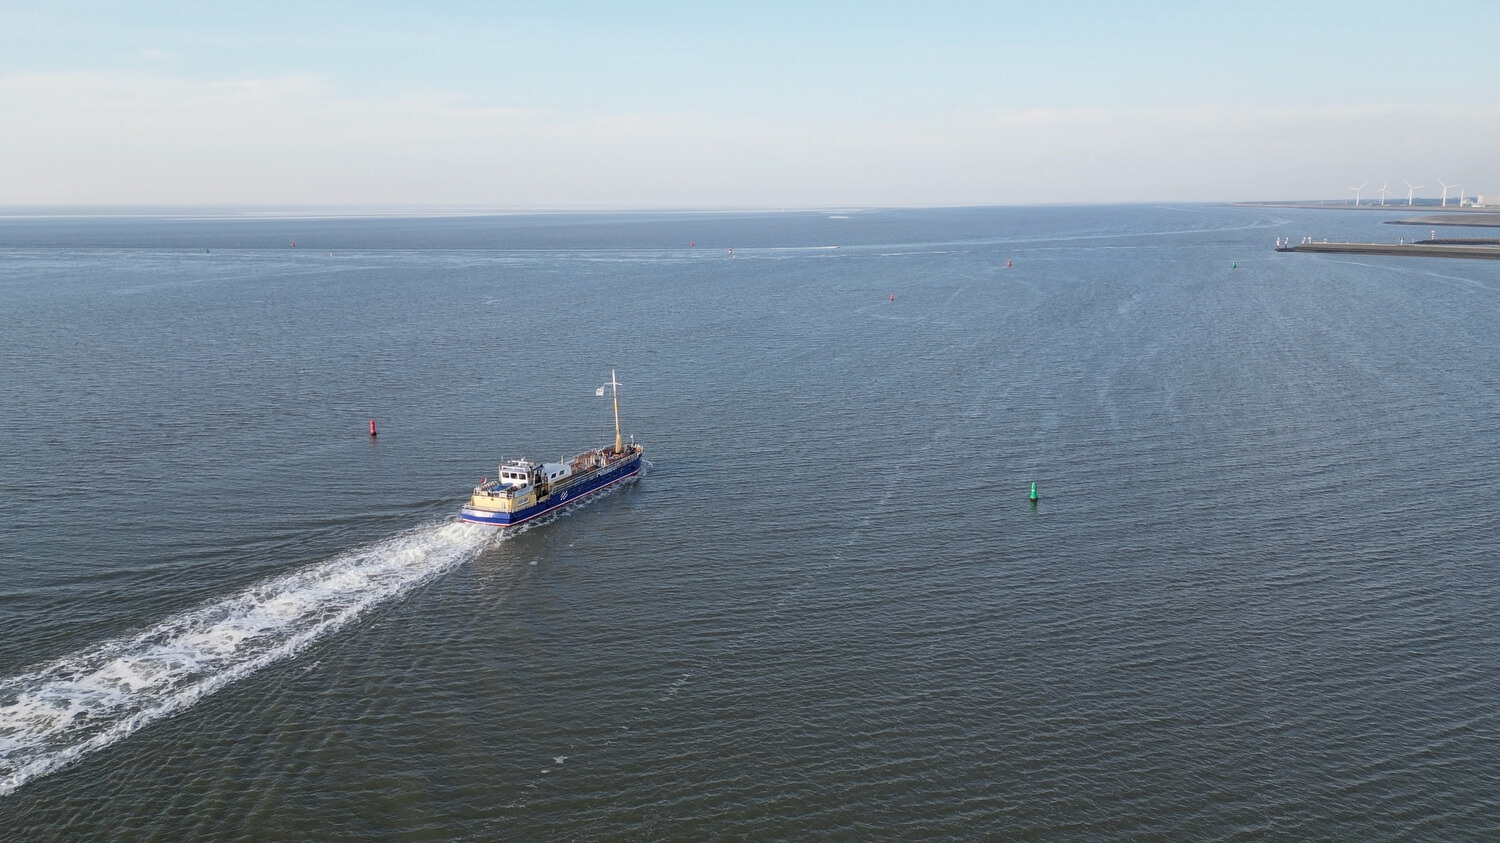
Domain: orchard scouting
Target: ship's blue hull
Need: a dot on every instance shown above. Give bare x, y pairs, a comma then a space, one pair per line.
618, 473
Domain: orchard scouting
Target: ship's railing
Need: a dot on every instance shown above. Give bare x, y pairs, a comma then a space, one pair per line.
576, 479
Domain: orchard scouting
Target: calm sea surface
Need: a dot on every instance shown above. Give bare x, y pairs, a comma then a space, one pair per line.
1258, 598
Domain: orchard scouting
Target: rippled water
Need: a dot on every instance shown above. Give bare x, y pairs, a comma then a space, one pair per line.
1257, 599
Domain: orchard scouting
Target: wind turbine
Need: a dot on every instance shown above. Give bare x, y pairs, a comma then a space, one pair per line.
1410, 188
1356, 193
1446, 188
1382, 193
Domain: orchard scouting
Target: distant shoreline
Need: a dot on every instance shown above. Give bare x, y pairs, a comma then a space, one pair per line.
1476, 219
1468, 217
1420, 207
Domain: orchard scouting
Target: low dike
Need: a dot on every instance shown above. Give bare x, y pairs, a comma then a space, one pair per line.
1410, 250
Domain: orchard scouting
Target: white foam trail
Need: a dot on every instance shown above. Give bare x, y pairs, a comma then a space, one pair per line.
89, 699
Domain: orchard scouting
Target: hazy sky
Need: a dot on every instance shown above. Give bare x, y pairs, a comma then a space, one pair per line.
765, 104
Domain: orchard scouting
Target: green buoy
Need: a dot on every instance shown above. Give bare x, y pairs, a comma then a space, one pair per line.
1033, 491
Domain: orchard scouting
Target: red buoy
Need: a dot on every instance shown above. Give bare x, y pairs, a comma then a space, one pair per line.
372, 427
1007, 263
893, 296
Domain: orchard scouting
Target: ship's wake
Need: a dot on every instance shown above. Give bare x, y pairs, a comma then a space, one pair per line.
89, 699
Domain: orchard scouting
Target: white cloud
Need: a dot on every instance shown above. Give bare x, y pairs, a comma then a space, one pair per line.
153, 138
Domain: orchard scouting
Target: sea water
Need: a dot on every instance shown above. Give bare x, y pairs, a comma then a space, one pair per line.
1257, 596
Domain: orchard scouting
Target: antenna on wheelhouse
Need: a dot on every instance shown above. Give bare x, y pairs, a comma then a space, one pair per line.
614, 385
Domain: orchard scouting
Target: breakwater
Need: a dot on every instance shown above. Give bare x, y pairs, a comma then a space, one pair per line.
1419, 250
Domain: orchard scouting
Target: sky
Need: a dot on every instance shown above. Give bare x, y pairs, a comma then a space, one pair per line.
658, 105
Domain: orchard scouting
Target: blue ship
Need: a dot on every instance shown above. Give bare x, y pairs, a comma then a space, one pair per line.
525, 490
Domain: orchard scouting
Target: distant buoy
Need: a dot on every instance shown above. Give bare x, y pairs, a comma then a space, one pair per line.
1233, 265
1007, 263
1033, 491
692, 243
893, 296
372, 427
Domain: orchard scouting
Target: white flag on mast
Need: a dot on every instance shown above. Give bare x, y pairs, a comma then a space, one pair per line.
599, 391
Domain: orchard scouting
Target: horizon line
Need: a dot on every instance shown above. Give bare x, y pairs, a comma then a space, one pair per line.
228, 210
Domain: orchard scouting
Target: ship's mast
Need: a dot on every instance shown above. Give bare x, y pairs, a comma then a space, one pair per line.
615, 385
